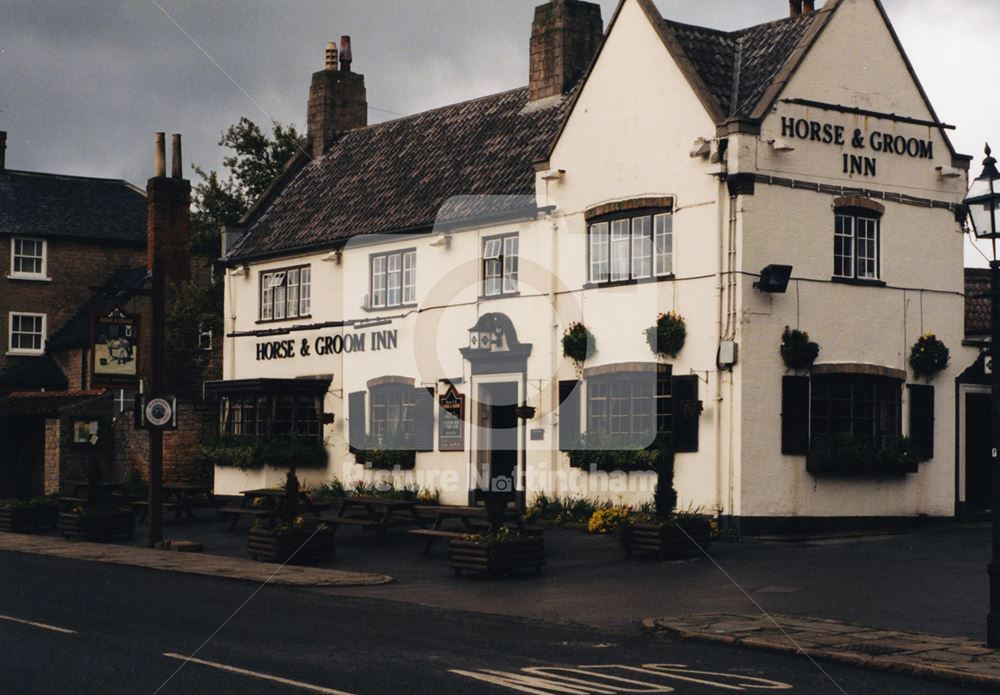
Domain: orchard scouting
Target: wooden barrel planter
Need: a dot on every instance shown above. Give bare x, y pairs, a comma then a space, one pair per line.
21, 519
665, 540
497, 559
97, 526
278, 545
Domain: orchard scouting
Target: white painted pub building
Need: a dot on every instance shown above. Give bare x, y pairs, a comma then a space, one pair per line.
407, 285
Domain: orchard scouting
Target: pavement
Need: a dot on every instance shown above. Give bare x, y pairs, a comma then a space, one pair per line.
89, 627
187, 563
920, 654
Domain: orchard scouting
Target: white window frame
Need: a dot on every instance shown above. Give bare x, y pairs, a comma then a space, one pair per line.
855, 232
11, 350
501, 264
392, 280
43, 274
206, 337
637, 247
285, 293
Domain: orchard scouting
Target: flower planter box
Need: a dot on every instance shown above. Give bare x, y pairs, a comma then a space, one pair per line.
21, 519
665, 540
499, 558
278, 545
97, 526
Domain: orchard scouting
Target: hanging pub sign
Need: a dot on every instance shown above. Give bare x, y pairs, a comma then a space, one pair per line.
115, 348
451, 421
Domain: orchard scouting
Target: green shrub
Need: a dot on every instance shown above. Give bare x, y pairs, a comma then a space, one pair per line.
928, 356
842, 455
606, 453
667, 337
578, 343
797, 351
254, 454
32, 503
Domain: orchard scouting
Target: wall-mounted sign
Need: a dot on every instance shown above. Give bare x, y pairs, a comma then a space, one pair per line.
83, 430
864, 143
115, 348
451, 420
155, 412
328, 345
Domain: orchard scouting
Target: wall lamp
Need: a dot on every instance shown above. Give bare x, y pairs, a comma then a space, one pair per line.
774, 279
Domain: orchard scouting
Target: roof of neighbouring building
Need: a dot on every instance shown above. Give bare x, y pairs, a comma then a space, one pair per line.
33, 373
119, 288
78, 207
398, 175
977, 302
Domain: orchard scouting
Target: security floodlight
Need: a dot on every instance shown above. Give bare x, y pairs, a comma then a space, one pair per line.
774, 279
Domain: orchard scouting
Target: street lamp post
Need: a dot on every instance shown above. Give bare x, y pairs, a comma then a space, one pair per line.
983, 203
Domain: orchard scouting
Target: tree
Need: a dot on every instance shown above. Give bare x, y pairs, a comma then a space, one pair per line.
257, 160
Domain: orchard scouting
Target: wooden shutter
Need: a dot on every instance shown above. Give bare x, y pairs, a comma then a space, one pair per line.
356, 419
795, 415
569, 415
922, 420
423, 425
685, 415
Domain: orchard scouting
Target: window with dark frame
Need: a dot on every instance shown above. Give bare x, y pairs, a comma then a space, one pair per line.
500, 265
286, 293
866, 408
279, 416
630, 248
856, 246
393, 279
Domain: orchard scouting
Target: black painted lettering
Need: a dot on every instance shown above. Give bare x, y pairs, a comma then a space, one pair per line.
870, 166
787, 127
814, 131
838, 135
926, 149
802, 129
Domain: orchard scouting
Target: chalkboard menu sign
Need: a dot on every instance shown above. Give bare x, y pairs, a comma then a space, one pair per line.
451, 423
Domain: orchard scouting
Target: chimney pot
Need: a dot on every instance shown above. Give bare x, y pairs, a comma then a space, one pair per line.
331, 55
794, 8
809, 6
3, 151
175, 164
345, 54
160, 156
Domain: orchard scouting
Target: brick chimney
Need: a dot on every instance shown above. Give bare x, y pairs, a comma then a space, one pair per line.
797, 7
168, 220
3, 151
338, 101
565, 37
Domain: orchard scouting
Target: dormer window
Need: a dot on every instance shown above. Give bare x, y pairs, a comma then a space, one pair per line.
28, 259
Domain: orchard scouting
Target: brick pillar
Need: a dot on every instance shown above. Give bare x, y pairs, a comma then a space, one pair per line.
52, 453
565, 37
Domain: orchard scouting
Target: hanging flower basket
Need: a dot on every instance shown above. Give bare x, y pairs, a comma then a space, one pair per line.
578, 343
797, 350
929, 356
667, 337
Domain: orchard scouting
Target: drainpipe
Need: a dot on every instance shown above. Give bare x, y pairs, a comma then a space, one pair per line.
718, 372
554, 342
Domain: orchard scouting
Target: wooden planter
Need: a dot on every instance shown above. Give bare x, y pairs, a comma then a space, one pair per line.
665, 540
497, 559
21, 519
278, 545
97, 526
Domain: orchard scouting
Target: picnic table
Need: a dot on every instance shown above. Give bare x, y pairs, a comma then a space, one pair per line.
268, 509
375, 513
466, 515
82, 487
180, 498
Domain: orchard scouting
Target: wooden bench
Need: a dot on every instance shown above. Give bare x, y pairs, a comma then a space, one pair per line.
366, 524
237, 512
142, 506
433, 534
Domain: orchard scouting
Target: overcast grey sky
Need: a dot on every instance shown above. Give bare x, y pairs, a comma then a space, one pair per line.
85, 84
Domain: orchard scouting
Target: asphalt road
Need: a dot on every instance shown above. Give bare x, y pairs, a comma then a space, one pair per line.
109, 629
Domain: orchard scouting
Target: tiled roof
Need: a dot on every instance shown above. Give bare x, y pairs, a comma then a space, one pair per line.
977, 302
33, 373
52, 205
396, 176
120, 287
738, 67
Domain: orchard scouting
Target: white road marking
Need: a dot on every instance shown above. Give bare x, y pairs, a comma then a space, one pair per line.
255, 674
43, 626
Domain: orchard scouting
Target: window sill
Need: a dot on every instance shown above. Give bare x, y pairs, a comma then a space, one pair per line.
858, 282
296, 318
394, 307
29, 278
504, 295
26, 353
627, 283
